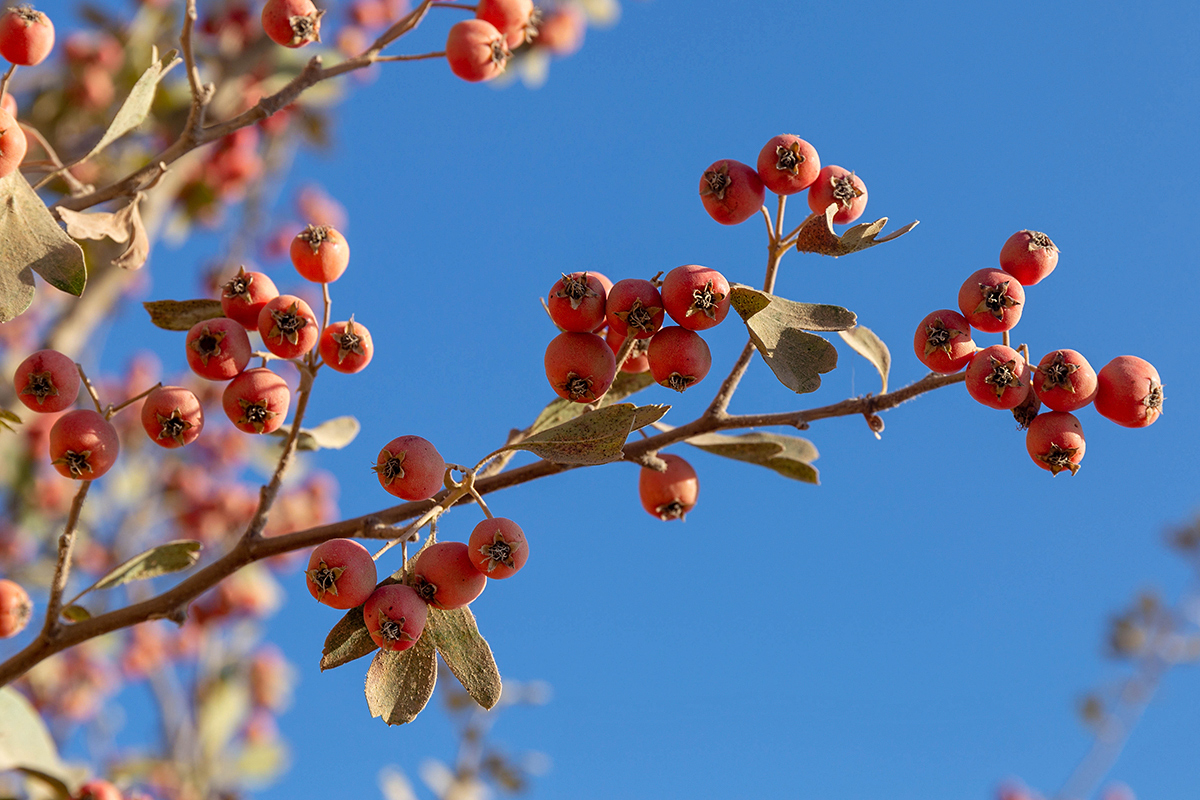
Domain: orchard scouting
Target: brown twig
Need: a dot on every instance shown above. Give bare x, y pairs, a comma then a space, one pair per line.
62, 565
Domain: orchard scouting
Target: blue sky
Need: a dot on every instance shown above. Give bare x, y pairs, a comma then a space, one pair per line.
921, 624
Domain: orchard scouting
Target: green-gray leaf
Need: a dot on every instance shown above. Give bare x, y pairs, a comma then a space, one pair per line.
334, 434
161, 560
596, 437
871, 347
561, 410
181, 315
816, 235
466, 653
784, 313
790, 456
8, 419
347, 640
136, 108
25, 742
76, 613
33, 242
399, 685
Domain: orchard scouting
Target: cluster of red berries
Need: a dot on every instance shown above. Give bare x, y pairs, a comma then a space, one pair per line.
581, 364
26, 38
733, 192
1127, 390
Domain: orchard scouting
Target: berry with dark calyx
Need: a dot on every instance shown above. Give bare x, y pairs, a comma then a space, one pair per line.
12, 144
837, 185
787, 164
320, 253
943, 341
637, 361
256, 401
288, 326
26, 36
678, 358
83, 445
1129, 392
671, 494
580, 366
410, 468
217, 349
244, 295
996, 377
292, 23
346, 346
991, 300
15, 608
497, 547
172, 416
513, 18
731, 191
634, 303
1029, 256
1064, 381
395, 615
476, 51
577, 302
696, 297
444, 576
47, 381
341, 574
1055, 441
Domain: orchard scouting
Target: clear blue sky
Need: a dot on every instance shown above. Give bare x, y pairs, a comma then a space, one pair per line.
922, 624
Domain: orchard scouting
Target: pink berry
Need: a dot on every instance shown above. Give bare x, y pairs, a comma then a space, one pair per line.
217, 349
991, 300
395, 615
497, 547
346, 346
444, 576
943, 341
83, 445
12, 144
288, 326
244, 295
576, 302
731, 191
410, 468
996, 377
15, 608
513, 18
257, 401
787, 164
1055, 441
678, 358
292, 23
671, 494
1064, 381
341, 574
696, 297
26, 36
47, 381
580, 366
476, 51
320, 253
1129, 392
172, 416
1028, 256
837, 185
8, 104
634, 304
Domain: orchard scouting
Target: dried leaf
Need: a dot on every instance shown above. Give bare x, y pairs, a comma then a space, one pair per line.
33, 242
161, 560
559, 411
134, 256
25, 742
122, 225
466, 653
399, 685
347, 641
790, 456
136, 108
181, 315
8, 419
596, 437
790, 314
796, 357
76, 613
871, 347
817, 236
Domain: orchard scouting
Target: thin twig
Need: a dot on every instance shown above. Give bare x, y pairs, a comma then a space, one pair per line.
7, 77
90, 389
201, 95
62, 565
779, 218
419, 57
114, 409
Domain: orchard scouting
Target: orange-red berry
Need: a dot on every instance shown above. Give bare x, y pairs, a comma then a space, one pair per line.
576, 302
513, 18
256, 401
346, 346
26, 36
47, 381
634, 304
731, 191
292, 23
476, 51
1064, 381
341, 574
444, 576
787, 164
838, 185
696, 297
671, 494
83, 445
678, 358
410, 468
1055, 441
244, 295
395, 615
943, 341
991, 300
996, 377
320, 253
497, 547
12, 144
217, 349
1129, 392
1029, 256
15, 608
172, 416
288, 326
579, 366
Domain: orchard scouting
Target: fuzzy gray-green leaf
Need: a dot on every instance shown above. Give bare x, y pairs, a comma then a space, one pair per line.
399, 685
162, 560
32, 241
466, 653
596, 437
347, 641
871, 347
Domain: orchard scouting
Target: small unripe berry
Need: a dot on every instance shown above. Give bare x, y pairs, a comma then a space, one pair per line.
1129, 392
292, 23
991, 300
1064, 381
943, 341
320, 254
1028, 256
476, 51
444, 576
1055, 441
15, 608
26, 36
837, 185
497, 547
346, 346
172, 416
577, 301
83, 445
244, 295
395, 615
579, 366
787, 164
256, 401
996, 377
341, 574
731, 191
671, 494
12, 144
513, 18
217, 349
696, 297
288, 326
47, 381
678, 358
634, 303
410, 468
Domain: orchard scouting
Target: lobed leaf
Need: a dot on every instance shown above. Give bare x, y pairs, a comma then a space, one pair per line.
33, 242
26, 744
181, 315
399, 685
796, 357
161, 560
871, 347
347, 641
561, 410
790, 456
136, 108
786, 313
816, 235
596, 437
466, 653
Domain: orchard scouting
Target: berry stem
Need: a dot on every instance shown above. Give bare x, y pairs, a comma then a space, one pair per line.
770, 228
114, 409
7, 77
1004, 340
487, 512
462, 6
62, 565
779, 218
91, 389
418, 57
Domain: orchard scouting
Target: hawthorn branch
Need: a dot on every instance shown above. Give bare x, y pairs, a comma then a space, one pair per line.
62, 565
201, 94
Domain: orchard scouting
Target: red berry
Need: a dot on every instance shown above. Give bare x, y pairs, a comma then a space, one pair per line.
256, 401
580, 366
15, 609
341, 574
444, 576
1055, 441
320, 254
97, 789
476, 50
346, 346
218, 349
561, 30
410, 468
943, 341
696, 297
637, 304
47, 381
996, 377
497, 547
26, 36
1064, 381
992, 301
637, 361
511, 17
292, 23
12, 144
244, 295
83, 445
1028, 256
395, 615
8, 103
288, 327
838, 185
671, 494
787, 164
172, 416
576, 302
678, 358
1129, 392
731, 191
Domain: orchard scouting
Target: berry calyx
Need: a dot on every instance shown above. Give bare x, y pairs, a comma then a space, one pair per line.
996, 377
217, 349
497, 547
444, 576
172, 416
410, 468
943, 341
678, 358
991, 300
320, 253
1129, 392
395, 616
292, 23
476, 50
1055, 441
1029, 256
1064, 381
26, 36
835, 184
256, 401
787, 164
83, 445
341, 574
244, 295
671, 494
696, 297
288, 326
731, 191
580, 366
15, 608
47, 381
346, 347
577, 302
